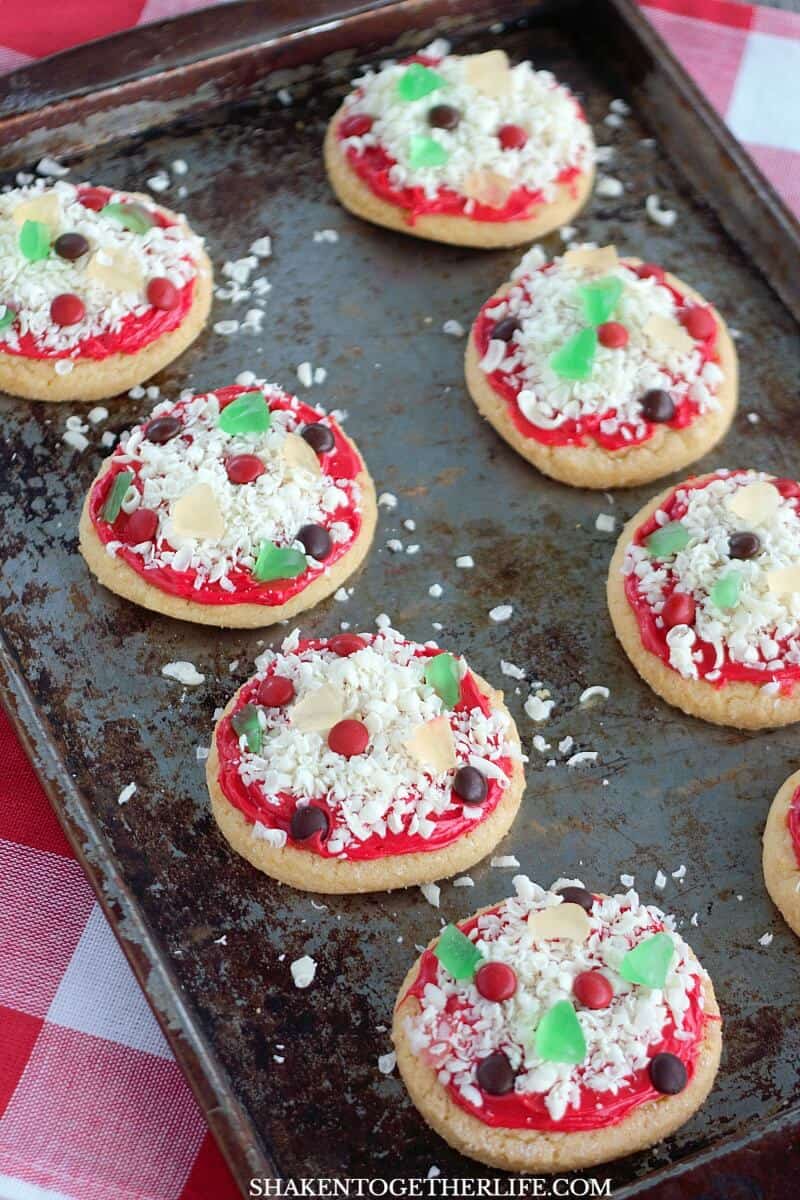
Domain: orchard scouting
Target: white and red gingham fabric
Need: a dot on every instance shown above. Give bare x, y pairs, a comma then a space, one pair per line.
92, 1104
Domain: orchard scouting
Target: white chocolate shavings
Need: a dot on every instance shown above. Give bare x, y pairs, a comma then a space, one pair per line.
184, 672
558, 136
538, 708
605, 523
503, 861
303, 971
273, 507
762, 631
387, 1062
127, 792
465, 561
548, 306
665, 217
30, 287
501, 613
431, 892
596, 692
385, 791
456, 1027
453, 328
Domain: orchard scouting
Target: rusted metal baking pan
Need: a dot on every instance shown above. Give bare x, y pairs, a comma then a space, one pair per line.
82, 668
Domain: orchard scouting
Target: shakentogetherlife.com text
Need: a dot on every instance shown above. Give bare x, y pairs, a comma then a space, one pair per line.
438, 1187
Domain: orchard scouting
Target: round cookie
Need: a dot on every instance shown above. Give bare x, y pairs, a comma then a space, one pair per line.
602, 372
537, 1035
463, 149
364, 763
99, 289
236, 508
781, 857
709, 611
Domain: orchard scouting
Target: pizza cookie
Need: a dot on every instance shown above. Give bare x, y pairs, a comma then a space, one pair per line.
557, 1030
603, 372
704, 594
781, 859
362, 763
236, 508
463, 149
99, 289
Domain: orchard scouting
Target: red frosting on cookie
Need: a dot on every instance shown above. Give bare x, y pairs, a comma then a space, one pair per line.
342, 462
793, 824
579, 432
250, 801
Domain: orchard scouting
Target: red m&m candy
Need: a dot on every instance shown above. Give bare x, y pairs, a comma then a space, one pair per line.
651, 271
275, 691
94, 198
67, 309
244, 468
512, 137
592, 989
496, 981
698, 322
140, 526
613, 335
348, 738
679, 609
345, 644
162, 293
356, 125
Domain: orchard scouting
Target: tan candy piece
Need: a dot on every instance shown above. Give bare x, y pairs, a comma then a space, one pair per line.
197, 514
597, 259
44, 208
431, 744
563, 921
756, 503
667, 332
319, 711
489, 73
489, 188
119, 272
784, 581
297, 452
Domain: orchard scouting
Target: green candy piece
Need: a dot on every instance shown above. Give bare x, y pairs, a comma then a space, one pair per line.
667, 540
34, 240
725, 592
116, 495
457, 953
248, 413
132, 217
559, 1037
278, 562
441, 673
600, 298
418, 81
574, 360
425, 152
246, 722
7, 319
648, 963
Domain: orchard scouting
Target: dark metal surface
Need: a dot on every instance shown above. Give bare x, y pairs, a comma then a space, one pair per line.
83, 668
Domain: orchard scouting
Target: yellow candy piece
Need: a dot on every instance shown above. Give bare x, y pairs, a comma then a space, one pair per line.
197, 514
319, 711
44, 208
487, 187
119, 272
431, 744
568, 922
597, 260
756, 503
784, 581
665, 331
489, 73
297, 453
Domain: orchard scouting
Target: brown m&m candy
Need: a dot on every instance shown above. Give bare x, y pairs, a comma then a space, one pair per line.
307, 821
470, 785
505, 329
444, 116
71, 246
316, 541
319, 437
744, 545
495, 1074
577, 895
657, 406
667, 1074
163, 430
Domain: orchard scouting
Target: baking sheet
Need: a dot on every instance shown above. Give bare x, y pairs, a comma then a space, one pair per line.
666, 790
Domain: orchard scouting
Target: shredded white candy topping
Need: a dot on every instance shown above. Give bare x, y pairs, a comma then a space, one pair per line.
385, 791
762, 630
549, 308
30, 287
558, 137
617, 1037
273, 507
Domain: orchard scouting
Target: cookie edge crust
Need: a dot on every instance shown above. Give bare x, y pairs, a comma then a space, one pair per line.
103, 379
360, 200
781, 871
538, 1151
310, 873
591, 466
121, 579
739, 705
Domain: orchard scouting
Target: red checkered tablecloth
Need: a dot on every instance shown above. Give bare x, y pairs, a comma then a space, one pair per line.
92, 1104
